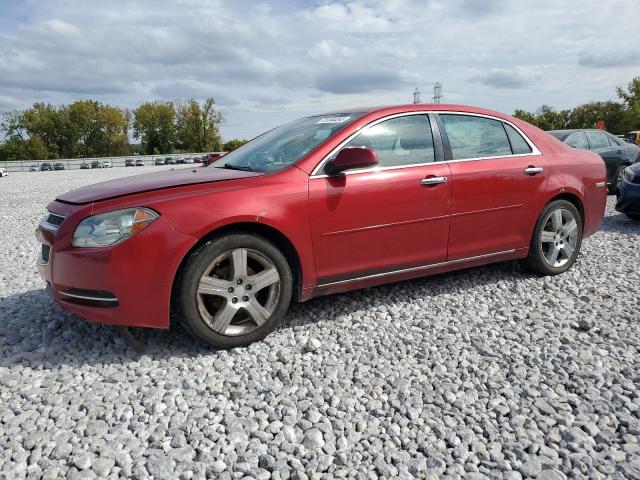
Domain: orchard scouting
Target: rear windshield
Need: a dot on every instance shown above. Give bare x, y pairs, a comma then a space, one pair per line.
559, 135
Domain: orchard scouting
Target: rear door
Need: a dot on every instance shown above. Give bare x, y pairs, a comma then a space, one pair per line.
497, 175
611, 154
386, 218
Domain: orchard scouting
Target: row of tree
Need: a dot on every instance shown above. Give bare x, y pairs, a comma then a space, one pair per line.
88, 128
619, 117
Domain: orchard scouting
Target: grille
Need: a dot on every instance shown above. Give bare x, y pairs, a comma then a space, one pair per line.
44, 253
55, 220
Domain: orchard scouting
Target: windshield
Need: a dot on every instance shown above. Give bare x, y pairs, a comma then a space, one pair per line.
285, 145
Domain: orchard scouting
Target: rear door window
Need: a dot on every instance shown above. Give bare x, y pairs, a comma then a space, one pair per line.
475, 137
598, 140
578, 140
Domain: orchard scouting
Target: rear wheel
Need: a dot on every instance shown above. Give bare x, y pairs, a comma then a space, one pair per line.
633, 216
233, 290
556, 239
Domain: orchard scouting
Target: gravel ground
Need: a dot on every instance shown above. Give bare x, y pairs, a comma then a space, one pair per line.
488, 372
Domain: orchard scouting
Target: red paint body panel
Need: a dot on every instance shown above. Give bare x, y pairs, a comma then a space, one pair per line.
378, 221
352, 231
494, 203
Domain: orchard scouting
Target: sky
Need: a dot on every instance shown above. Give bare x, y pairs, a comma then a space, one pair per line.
266, 63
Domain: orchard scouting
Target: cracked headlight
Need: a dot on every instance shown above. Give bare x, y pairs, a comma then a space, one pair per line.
110, 228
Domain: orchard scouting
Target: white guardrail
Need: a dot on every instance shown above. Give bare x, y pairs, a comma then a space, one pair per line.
99, 162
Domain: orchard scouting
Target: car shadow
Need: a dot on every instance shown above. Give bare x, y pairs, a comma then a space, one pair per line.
619, 223
35, 332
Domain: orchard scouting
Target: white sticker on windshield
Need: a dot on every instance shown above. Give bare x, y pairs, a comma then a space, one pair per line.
332, 120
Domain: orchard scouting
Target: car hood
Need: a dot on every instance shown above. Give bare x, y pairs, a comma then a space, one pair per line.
151, 181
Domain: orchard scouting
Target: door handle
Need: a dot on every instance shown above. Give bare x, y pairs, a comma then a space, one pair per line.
533, 170
433, 181
619, 152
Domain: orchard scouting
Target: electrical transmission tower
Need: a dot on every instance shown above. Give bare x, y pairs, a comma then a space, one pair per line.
437, 92
416, 95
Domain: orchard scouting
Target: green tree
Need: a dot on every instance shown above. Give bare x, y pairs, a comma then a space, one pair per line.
231, 145
197, 126
631, 100
588, 114
154, 125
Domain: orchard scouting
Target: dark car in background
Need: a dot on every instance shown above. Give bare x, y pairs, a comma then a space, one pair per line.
169, 161
129, 162
210, 158
628, 192
159, 161
58, 166
45, 167
616, 153
96, 164
84, 165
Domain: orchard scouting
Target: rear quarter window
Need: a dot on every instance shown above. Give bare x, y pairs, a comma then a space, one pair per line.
519, 145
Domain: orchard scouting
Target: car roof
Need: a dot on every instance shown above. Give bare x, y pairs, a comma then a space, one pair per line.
415, 107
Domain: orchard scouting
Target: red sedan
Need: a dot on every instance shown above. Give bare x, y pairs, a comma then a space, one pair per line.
324, 204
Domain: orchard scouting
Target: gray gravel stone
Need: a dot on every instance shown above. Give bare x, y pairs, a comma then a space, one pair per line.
489, 372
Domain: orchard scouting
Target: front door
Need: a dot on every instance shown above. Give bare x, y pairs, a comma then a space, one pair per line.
387, 218
497, 177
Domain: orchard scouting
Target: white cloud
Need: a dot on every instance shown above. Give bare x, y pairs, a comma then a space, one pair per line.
266, 64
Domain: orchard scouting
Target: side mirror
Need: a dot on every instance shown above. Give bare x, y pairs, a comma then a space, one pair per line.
350, 158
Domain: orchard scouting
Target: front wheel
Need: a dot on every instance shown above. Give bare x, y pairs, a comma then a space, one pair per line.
633, 216
556, 239
234, 290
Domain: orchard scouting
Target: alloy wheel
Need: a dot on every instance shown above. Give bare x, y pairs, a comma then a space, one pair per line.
559, 237
238, 292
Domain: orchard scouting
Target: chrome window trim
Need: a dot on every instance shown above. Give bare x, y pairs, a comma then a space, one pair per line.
314, 173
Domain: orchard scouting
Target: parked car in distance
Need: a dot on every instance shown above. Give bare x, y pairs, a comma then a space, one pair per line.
169, 161
628, 192
617, 154
210, 158
45, 167
633, 137
139, 163
321, 205
96, 164
107, 164
84, 166
197, 159
3, 172
129, 162
34, 167
159, 161
58, 166
187, 160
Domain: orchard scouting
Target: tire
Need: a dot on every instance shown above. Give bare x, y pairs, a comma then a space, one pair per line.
551, 233
613, 188
220, 296
633, 216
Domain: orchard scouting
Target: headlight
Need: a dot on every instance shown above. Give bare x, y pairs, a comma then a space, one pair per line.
627, 174
112, 227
